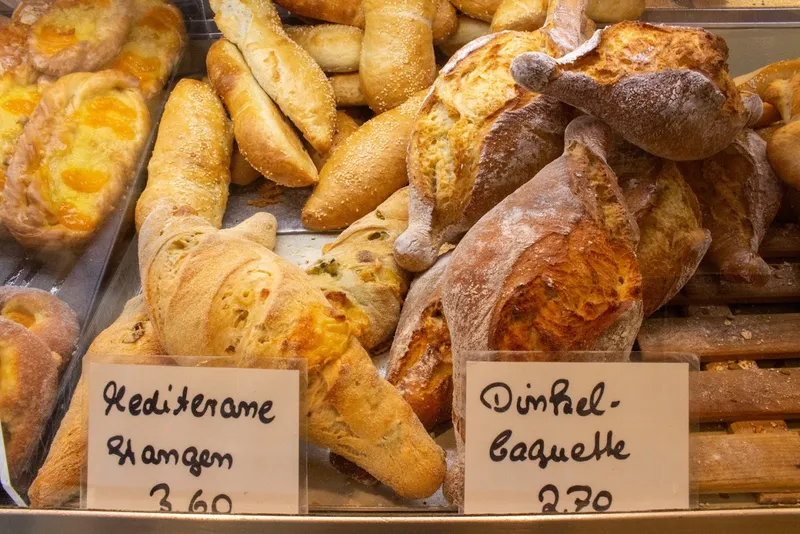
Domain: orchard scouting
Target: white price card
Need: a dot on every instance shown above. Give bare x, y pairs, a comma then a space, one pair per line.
556, 437
193, 439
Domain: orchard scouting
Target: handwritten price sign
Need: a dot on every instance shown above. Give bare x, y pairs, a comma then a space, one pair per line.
190, 439
576, 437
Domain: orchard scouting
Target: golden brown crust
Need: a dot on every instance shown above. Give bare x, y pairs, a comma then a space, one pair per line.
672, 239
262, 134
397, 58
242, 173
347, 90
79, 35
28, 12
364, 171
478, 9
519, 15
190, 165
445, 21
359, 276
626, 75
14, 54
619, 10
335, 47
283, 69
74, 158
341, 11
345, 127
468, 30
130, 337
739, 195
28, 389
239, 299
45, 315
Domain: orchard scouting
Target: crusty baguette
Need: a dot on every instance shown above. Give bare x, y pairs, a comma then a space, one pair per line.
347, 90
190, 165
616, 11
420, 360
359, 276
45, 315
478, 9
130, 337
345, 127
283, 69
74, 36
628, 75
242, 173
467, 31
335, 47
524, 268
74, 159
479, 135
520, 15
220, 293
672, 239
153, 46
397, 57
263, 136
364, 171
740, 196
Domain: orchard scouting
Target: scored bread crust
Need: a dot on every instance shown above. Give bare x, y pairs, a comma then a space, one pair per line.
359, 275
672, 238
45, 315
285, 71
27, 392
262, 134
550, 268
664, 89
28, 210
335, 47
96, 32
132, 339
240, 300
420, 361
190, 165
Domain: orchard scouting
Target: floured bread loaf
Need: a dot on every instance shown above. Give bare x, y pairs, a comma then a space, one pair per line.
664, 89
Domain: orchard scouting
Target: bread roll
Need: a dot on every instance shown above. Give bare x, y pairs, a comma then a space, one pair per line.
739, 196
520, 15
153, 46
628, 75
45, 315
264, 137
79, 36
345, 127
364, 171
347, 90
74, 159
522, 280
335, 47
191, 160
420, 360
672, 239
397, 57
238, 299
283, 69
468, 30
242, 173
27, 392
445, 21
479, 136
359, 276
478, 9
617, 11
130, 337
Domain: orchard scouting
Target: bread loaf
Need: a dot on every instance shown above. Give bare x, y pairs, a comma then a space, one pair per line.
445, 21
665, 89
347, 90
479, 136
420, 360
617, 11
242, 173
550, 268
739, 195
520, 15
672, 239
27, 392
45, 315
191, 160
478, 9
238, 299
364, 171
359, 276
335, 47
131, 338
397, 57
263, 136
345, 127
283, 69
79, 36
74, 159
467, 31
